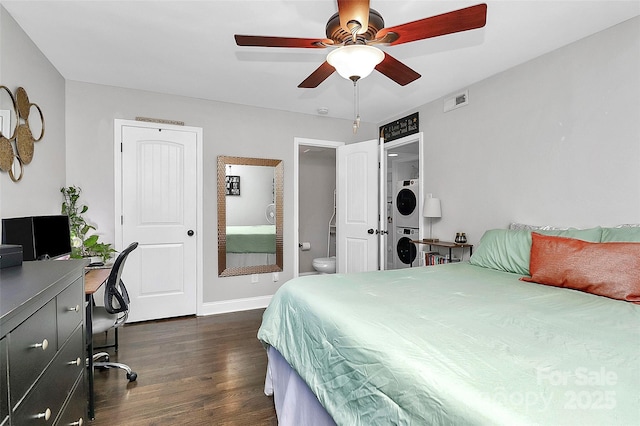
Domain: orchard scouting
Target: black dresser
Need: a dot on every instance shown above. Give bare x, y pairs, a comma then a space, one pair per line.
42, 344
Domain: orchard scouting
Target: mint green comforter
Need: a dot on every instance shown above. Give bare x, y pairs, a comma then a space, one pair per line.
458, 344
251, 239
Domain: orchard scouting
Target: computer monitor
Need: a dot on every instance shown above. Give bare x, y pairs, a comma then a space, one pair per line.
41, 237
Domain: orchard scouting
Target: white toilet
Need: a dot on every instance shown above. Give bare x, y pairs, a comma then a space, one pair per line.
325, 265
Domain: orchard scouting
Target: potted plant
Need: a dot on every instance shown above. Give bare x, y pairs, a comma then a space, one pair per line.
81, 244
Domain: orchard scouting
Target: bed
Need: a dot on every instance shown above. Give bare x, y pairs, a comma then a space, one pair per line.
251, 245
462, 343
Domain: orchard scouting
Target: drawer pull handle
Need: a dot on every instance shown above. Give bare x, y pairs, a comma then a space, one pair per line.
80, 422
75, 362
46, 415
74, 309
44, 345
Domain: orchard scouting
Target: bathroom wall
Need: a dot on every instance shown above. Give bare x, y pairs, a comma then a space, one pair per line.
256, 192
316, 185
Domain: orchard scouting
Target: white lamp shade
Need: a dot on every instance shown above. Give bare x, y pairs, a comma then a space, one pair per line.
432, 208
355, 60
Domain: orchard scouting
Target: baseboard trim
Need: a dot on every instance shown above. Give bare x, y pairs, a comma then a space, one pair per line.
235, 305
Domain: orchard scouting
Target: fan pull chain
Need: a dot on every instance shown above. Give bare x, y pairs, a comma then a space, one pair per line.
356, 107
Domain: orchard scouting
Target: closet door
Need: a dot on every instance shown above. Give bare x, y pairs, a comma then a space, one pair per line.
159, 211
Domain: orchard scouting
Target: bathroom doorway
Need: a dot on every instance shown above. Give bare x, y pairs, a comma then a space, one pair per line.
314, 213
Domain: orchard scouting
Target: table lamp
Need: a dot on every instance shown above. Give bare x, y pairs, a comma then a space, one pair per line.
431, 210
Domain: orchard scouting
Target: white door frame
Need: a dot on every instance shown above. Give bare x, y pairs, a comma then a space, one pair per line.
117, 151
296, 188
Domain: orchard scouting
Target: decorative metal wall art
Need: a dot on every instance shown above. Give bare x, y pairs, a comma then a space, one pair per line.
17, 146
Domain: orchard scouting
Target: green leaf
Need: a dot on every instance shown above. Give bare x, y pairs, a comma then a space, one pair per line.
91, 241
85, 229
84, 209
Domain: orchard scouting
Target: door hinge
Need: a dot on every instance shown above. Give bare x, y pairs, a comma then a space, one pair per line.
121, 147
121, 220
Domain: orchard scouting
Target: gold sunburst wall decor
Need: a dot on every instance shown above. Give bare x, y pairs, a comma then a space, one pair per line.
17, 140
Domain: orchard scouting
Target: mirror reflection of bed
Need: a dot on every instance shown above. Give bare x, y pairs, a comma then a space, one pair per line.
251, 245
249, 212
251, 229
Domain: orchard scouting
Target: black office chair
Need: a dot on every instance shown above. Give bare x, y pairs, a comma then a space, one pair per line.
114, 313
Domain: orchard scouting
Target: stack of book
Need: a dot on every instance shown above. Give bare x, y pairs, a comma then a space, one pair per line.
435, 258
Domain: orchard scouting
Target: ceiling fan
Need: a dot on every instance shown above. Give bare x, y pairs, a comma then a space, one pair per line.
357, 28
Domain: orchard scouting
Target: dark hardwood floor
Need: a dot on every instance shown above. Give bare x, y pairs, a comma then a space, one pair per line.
192, 370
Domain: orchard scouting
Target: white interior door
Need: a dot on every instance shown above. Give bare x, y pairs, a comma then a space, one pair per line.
357, 192
159, 202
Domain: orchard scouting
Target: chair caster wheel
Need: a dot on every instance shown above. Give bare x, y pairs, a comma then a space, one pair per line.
132, 376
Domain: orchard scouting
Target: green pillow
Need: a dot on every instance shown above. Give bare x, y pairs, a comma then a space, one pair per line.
510, 250
504, 250
626, 234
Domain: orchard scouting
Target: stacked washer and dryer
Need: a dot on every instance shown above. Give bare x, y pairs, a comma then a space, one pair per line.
406, 223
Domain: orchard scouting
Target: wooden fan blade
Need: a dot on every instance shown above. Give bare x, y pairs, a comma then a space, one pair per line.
318, 76
465, 19
266, 41
396, 70
354, 10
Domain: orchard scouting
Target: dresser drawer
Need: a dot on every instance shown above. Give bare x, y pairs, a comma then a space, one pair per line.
54, 386
4, 394
32, 346
70, 304
75, 412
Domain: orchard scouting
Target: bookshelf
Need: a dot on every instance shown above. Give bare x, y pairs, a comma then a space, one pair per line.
433, 257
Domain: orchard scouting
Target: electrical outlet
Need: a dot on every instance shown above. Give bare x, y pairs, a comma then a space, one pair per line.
254, 278
276, 277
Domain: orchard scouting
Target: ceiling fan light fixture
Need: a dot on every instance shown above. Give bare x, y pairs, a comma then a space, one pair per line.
355, 61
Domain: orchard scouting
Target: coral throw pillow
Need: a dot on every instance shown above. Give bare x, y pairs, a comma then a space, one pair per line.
606, 269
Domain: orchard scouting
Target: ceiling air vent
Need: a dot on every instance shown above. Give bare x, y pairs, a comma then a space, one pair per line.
458, 100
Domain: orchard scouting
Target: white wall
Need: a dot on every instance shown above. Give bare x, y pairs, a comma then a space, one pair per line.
228, 129
256, 192
23, 65
553, 141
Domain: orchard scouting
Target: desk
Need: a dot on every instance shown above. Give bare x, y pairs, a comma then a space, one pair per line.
93, 280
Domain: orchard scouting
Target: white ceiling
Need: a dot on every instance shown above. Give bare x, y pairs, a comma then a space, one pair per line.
187, 47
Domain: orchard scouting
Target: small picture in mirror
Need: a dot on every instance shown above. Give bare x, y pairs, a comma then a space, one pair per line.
233, 185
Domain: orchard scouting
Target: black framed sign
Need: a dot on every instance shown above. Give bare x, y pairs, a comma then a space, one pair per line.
233, 185
400, 128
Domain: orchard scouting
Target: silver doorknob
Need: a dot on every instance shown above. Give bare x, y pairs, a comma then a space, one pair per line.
190, 232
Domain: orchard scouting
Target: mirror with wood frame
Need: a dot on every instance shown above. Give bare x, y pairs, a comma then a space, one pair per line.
250, 195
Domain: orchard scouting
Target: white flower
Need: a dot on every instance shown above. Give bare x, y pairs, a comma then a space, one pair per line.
76, 242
